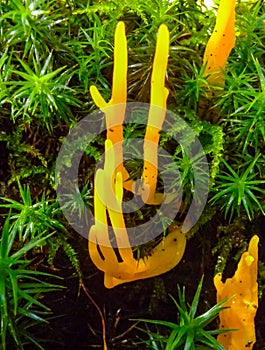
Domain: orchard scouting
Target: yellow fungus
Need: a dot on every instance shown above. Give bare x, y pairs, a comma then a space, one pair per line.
163, 257
220, 43
156, 116
243, 289
115, 109
121, 266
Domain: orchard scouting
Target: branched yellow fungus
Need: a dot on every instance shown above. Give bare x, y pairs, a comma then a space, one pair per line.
120, 266
220, 43
243, 289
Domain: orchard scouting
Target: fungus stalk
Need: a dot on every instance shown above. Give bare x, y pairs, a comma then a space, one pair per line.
156, 116
220, 43
115, 109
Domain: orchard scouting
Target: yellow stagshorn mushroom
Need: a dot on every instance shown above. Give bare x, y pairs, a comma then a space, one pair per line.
243, 289
110, 181
220, 43
164, 256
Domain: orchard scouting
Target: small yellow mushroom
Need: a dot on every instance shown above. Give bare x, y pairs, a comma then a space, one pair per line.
220, 43
243, 289
156, 116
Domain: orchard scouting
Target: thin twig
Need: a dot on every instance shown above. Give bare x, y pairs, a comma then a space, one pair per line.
118, 337
100, 314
